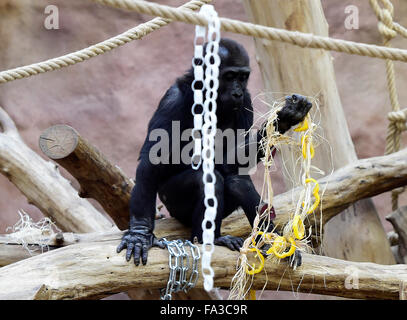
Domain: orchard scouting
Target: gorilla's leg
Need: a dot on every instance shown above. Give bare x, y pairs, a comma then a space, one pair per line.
240, 192
183, 195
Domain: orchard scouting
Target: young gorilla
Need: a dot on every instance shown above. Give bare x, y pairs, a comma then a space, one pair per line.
179, 186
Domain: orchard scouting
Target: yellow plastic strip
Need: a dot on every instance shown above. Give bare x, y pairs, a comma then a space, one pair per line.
315, 192
303, 126
253, 270
254, 241
298, 227
252, 294
292, 248
279, 244
274, 248
304, 143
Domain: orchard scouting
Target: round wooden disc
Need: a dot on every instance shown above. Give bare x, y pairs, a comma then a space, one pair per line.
58, 141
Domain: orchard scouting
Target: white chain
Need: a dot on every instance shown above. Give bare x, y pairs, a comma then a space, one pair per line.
198, 88
206, 122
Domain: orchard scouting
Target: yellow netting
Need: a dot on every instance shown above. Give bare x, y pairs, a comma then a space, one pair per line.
271, 245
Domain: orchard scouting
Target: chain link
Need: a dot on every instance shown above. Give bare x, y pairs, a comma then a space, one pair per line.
198, 86
179, 264
205, 122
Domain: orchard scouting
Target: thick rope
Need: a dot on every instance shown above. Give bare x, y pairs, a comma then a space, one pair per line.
397, 118
386, 14
250, 29
169, 14
400, 29
85, 54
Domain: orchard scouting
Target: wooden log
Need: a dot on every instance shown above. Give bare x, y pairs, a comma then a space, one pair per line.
358, 180
357, 234
98, 178
12, 250
364, 178
398, 219
10, 253
393, 238
403, 290
43, 185
89, 270
174, 226
361, 179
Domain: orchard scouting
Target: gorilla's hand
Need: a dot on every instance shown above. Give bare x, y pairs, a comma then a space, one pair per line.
138, 241
295, 110
233, 243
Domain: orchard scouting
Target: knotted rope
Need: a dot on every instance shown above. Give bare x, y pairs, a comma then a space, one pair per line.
70, 59
397, 119
168, 14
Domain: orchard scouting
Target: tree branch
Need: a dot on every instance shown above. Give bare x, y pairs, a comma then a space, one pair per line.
11, 249
99, 178
64, 273
43, 185
364, 178
94, 269
398, 219
7, 124
361, 179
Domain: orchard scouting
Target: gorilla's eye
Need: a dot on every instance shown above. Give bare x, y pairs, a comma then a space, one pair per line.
229, 76
294, 98
243, 76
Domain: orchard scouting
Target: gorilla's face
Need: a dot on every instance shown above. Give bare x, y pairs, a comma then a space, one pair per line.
232, 86
233, 75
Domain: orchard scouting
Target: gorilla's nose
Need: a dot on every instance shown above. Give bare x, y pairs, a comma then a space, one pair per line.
237, 95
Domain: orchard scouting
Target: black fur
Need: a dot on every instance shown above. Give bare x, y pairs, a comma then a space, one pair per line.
180, 187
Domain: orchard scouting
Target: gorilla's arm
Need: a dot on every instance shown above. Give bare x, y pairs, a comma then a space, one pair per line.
140, 238
295, 110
